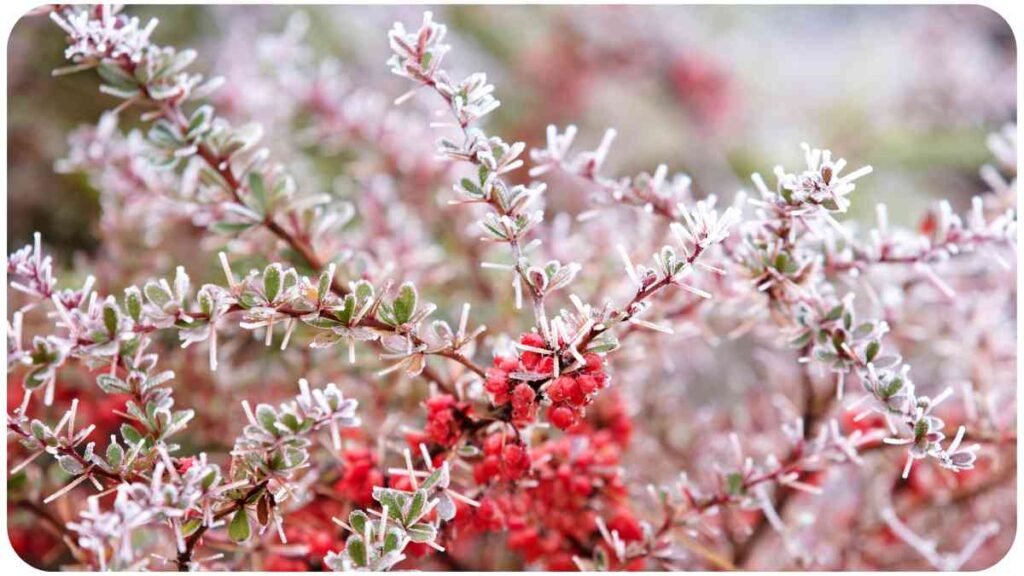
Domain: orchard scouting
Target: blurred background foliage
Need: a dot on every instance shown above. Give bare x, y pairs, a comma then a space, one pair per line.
718, 92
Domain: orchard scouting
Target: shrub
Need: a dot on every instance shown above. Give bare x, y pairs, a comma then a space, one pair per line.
528, 443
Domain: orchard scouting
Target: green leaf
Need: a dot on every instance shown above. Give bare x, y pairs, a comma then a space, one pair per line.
321, 322
111, 384
115, 455
363, 291
921, 428
179, 420
289, 280
164, 135
267, 417
469, 186
39, 429
393, 539
863, 330
437, 478
780, 261
155, 380
291, 421
200, 121
357, 521
894, 386
415, 505
130, 434
393, 499
211, 478
156, 294
112, 318
205, 303
405, 303
190, 526
356, 550
323, 287
422, 532
133, 302
239, 530
872, 350
112, 73
272, 282
259, 192
249, 300
230, 228
604, 344
347, 309
801, 339
70, 465
35, 378
734, 483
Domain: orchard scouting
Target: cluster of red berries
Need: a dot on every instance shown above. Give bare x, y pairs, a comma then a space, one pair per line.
577, 481
360, 474
569, 393
504, 459
536, 362
445, 418
504, 389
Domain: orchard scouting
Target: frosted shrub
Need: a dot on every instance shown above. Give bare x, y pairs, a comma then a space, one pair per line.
446, 440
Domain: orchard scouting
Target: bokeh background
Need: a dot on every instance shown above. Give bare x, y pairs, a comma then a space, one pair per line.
716, 92
723, 90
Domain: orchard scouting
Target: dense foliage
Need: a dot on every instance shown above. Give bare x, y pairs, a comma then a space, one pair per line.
443, 433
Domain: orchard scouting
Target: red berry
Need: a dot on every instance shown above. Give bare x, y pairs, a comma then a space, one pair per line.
576, 395
494, 443
532, 339
587, 384
512, 453
561, 417
559, 389
522, 396
442, 426
545, 366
